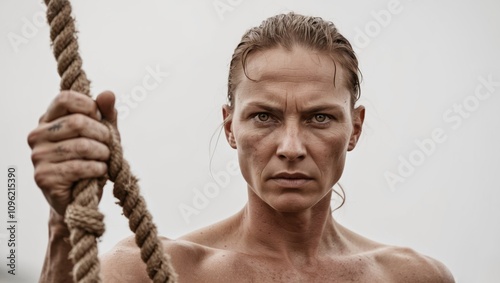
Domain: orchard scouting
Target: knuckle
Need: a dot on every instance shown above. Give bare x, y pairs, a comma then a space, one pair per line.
63, 98
83, 147
101, 168
41, 177
36, 155
33, 138
41, 118
95, 169
68, 169
77, 122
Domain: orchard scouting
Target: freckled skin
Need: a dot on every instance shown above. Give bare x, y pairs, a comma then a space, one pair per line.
292, 138
291, 126
293, 118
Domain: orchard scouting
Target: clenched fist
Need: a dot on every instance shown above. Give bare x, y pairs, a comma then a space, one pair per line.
70, 144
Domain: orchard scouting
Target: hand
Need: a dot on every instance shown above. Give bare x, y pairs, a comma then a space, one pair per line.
70, 144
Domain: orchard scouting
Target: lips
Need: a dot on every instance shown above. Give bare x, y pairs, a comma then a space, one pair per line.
288, 175
291, 179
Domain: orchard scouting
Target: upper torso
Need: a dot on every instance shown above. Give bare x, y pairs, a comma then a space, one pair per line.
208, 256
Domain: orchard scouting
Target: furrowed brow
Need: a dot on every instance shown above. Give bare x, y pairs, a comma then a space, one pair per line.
322, 108
264, 106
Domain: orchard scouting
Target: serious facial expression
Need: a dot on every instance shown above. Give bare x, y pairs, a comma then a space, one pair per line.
292, 126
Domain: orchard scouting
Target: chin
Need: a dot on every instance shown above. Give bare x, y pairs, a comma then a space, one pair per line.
292, 202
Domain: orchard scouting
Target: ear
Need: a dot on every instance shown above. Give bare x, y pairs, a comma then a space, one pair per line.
227, 114
358, 116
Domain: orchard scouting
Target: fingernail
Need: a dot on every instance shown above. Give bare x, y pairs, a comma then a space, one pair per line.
99, 115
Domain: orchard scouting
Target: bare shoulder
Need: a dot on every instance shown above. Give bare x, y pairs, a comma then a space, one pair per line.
407, 265
123, 263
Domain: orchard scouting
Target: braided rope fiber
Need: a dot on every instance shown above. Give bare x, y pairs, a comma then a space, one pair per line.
82, 216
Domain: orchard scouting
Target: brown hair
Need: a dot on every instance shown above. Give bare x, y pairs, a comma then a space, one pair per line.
287, 30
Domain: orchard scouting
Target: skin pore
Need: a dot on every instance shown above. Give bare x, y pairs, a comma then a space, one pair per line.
292, 119
292, 126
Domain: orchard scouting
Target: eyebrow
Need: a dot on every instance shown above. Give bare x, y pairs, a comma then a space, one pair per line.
309, 110
326, 107
265, 106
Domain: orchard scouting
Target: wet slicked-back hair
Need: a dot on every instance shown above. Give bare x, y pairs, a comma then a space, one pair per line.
287, 30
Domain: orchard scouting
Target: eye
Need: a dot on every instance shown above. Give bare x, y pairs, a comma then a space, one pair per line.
321, 118
262, 117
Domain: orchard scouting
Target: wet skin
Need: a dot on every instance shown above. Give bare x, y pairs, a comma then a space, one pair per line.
292, 125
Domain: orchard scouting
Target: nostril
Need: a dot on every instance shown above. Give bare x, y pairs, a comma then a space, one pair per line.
291, 156
290, 144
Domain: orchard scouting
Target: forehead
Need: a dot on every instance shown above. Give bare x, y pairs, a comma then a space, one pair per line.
310, 74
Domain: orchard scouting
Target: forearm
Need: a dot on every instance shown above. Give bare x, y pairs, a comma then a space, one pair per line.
57, 265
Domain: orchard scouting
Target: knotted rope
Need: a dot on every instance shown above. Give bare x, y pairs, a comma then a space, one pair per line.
82, 216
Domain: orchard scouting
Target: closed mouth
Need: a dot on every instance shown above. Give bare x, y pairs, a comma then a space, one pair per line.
291, 176
291, 180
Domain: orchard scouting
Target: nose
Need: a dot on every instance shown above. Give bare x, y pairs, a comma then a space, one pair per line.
291, 145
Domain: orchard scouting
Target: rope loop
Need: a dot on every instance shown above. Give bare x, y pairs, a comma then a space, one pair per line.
83, 218
91, 221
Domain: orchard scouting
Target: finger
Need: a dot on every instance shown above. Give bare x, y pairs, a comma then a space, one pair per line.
68, 102
75, 125
62, 175
78, 148
106, 104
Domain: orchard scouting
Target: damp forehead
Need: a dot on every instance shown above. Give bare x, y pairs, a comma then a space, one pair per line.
296, 71
296, 63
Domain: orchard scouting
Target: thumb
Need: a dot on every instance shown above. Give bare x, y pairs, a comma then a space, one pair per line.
106, 103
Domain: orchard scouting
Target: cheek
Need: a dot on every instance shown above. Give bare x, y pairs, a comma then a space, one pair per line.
254, 152
329, 149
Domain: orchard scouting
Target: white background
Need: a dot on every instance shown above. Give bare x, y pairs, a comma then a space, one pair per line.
416, 65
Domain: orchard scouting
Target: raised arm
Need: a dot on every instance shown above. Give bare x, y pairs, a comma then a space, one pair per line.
68, 144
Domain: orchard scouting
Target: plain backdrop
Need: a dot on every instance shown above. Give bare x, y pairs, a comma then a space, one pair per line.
432, 123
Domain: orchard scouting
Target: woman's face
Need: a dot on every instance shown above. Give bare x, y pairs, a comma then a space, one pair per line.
292, 126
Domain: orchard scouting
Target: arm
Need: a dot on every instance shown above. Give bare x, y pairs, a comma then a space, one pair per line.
57, 266
68, 144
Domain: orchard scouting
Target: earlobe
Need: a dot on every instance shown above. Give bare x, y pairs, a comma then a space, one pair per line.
231, 141
358, 119
227, 114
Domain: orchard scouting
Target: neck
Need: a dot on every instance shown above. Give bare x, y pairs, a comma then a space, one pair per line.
292, 235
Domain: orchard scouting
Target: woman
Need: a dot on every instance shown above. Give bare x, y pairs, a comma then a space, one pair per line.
291, 116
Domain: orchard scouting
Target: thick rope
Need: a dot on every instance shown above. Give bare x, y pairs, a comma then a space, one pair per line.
83, 218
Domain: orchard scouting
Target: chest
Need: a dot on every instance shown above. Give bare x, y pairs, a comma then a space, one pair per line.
232, 268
